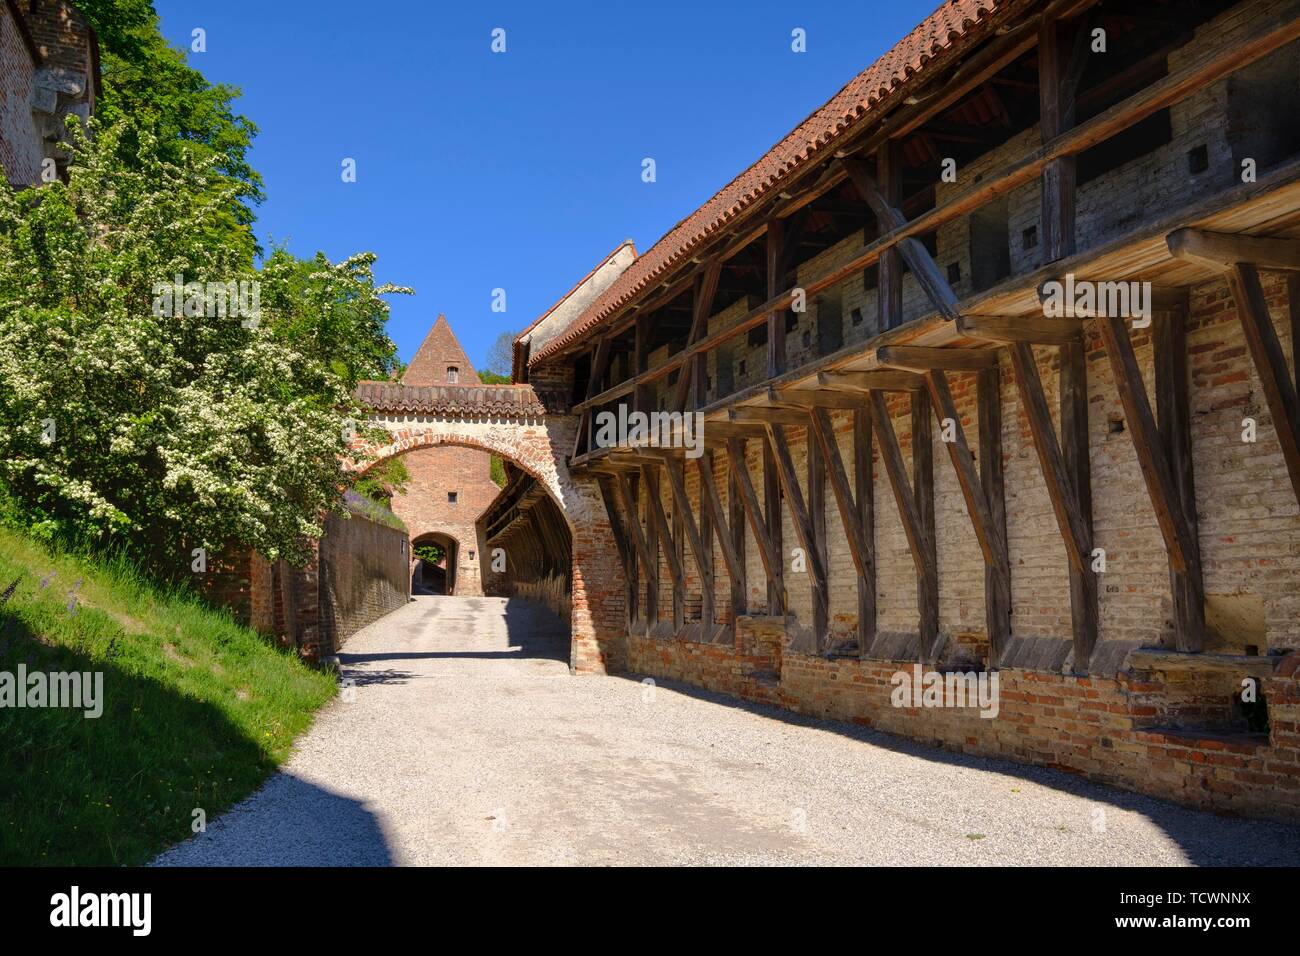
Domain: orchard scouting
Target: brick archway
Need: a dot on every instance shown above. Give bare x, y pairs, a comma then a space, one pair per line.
536, 445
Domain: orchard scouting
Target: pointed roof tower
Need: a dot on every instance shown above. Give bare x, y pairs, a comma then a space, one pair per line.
437, 356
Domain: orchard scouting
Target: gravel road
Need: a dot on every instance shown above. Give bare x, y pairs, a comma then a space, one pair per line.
464, 740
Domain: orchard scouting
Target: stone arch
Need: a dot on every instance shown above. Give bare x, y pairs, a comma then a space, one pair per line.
539, 446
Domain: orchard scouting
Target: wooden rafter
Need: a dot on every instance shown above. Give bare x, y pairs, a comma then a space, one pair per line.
1034, 329
706, 287
876, 380
919, 358
768, 554
1224, 250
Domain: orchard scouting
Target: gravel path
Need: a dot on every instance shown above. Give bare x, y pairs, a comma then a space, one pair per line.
467, 742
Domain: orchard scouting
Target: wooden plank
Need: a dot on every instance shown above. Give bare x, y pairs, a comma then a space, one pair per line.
963, 464
1270, 364
1148, 445
1173, 415
1056, 115
1084, 613
701, 548
919, 358
1224, 250
706, 287
638, 537
997, 577
1005, 329
892, 458
802, 522
765, 415
740, 574
772, 516
1050, 461
877, 380
859, 546
731, 557
865, 496
768, 554
817, 522
889, 285
918, 258
775, 281
818, 398
927, 583
625, 551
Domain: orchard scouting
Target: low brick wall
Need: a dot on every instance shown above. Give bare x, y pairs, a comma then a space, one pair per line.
1107, 729
364, 574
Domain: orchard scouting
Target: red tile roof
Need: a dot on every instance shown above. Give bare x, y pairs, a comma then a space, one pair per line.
471, 401
933, 41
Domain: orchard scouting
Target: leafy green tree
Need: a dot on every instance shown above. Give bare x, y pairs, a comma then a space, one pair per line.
127, 419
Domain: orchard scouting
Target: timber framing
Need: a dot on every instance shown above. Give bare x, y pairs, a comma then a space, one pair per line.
928, 365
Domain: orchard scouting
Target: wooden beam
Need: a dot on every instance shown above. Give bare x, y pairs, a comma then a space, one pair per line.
865, 495
776, 317
638, 537
927, 583
802, 523
919, 358
1224, 250
713, 505
859, 546
918, 258
889, 288
1073, 388
1034, 329
876, 380
768, 553
963, 464
892, 458
706, 287
772, 512
625, 550
817, 523
701, 549
1174, 417
997, 577
660, 519
767, 416
1056, 115
817, 398
736, 524
1147, 444
1270, 364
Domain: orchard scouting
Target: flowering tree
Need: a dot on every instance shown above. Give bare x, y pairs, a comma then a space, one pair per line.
135, 408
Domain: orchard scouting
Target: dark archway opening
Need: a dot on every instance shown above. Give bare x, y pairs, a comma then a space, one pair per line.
434, 559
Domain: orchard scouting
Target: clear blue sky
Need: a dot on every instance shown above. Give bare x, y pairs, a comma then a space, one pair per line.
518, 170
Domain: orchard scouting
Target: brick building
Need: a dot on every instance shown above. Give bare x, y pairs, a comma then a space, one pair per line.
450, 485
49, 69
911, 456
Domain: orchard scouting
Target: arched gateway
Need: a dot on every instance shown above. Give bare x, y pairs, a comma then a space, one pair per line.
533, 430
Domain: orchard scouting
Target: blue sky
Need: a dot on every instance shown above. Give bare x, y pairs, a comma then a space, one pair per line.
519, 170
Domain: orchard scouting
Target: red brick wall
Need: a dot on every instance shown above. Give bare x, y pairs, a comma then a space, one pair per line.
424, 507
20, 146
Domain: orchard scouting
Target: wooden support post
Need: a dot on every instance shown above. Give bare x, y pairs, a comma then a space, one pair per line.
652, 542
625, 550
641, 361
701, 544
1056, 111
634, 524
927, 583
889, 288
802, 524
1174, 416
923, 556
865, 495
1077, 460
772, 517
1270, 364
775, 283
817, 520
696, 370
660, 520
733, 555
997, 577
736, 524
767, 552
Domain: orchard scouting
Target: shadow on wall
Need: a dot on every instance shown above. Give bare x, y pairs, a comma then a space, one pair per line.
1206, 839
289, 822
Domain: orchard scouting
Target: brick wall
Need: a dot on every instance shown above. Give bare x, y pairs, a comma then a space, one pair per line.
20, 144
364, 575
424, 506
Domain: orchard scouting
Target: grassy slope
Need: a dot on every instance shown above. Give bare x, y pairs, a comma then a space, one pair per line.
197, 712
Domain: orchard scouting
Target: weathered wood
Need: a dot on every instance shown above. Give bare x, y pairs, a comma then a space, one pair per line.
767, 552
1224, 250
1084, 612
876, 380
865, 495
706, 287
892, 458
712, 504
626, 553
638, 537
817, 398
1147, 443
701, 548
997, 577
1050, 461
859, 546
767, 416
924, 269
1270, 364
963, 463
1293, 310
1005, 329
775, 281
800, 519
889, 285
817, 521
736, 524
1173, 416
927, 583
1056, 115
919, 358
772, 516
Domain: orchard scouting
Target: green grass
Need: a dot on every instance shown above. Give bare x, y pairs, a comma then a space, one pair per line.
198, 711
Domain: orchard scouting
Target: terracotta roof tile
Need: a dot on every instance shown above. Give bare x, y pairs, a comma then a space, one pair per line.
930, 41
483, 401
